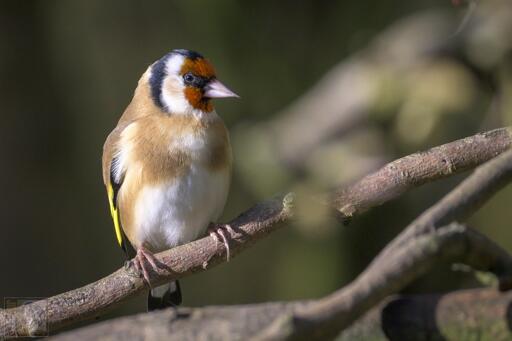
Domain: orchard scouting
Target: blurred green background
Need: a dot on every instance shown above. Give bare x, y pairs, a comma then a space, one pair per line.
68, 69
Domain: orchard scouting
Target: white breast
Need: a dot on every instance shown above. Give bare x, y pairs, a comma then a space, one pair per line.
180, 211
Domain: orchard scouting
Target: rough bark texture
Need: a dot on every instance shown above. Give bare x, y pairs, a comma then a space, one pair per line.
401, 261
89, 301
412, 253
414, 170
453, 243
209, 323
53, 313
477, 314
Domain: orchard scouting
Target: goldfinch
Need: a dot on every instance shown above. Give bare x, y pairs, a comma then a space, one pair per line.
167, 164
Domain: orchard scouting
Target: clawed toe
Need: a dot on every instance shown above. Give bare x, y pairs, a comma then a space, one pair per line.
221, 232
143, 260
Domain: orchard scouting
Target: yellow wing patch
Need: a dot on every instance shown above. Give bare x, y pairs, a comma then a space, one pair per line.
115, 215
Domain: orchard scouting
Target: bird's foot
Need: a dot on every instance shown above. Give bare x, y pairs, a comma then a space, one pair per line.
221, 232
144, 260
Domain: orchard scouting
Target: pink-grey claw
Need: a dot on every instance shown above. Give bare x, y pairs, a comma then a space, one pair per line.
218, 232
139, 262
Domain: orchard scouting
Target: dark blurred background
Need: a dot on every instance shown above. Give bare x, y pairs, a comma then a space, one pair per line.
68, 69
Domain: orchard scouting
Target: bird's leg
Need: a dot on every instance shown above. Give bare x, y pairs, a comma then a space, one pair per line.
141, 261
221, 231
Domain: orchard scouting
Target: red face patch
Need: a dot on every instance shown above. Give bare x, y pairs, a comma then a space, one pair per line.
196, 99
202, 68
199, 67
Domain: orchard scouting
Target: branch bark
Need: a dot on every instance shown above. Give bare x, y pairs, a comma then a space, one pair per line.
452, 243
58, 311
477, 314
411, 171
400, 262
388, 273
47, 316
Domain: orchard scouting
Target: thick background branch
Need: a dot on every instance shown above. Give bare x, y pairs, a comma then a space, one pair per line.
400, 262
461, 315
388, 273
478, 314
89, 301
453, 243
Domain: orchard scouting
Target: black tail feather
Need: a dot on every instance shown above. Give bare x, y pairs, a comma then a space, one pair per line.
165, 296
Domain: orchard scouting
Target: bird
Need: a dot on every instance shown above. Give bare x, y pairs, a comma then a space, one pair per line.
167, 165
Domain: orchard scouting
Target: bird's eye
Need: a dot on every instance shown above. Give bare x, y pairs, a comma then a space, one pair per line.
189, 78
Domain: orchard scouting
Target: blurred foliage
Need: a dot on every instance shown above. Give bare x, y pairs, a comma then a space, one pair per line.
68, 69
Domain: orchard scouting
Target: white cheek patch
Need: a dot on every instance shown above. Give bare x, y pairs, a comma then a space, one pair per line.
173, 97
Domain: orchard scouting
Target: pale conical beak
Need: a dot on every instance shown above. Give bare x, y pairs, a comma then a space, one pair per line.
215, 89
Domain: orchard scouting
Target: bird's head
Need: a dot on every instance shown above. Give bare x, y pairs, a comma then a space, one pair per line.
184, 82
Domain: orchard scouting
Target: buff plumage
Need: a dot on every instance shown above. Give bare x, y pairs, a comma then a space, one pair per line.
167, 164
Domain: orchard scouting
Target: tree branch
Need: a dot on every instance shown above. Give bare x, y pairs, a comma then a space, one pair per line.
407, 256
53, 313
414, 170
477, 314
387, 274
58, 311
451, 243
466, 198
